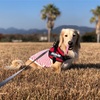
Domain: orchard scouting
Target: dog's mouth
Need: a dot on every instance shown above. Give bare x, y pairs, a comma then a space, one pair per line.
70, 47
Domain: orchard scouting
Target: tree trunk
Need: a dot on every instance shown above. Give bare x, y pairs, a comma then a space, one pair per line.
49, 34
98, 30
98, 38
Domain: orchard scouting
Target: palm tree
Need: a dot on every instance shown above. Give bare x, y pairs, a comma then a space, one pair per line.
50, 13
96, 19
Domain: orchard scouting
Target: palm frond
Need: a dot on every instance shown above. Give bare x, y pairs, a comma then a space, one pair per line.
51, 11
93, 19
96, 12
43, 16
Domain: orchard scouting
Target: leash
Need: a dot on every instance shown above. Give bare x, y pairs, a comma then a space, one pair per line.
9, 78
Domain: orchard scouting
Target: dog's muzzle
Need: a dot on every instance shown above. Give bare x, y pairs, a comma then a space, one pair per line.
70, 45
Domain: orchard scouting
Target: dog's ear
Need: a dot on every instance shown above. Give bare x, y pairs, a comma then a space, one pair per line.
78, 38
61, 37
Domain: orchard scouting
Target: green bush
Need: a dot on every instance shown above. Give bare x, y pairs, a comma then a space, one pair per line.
89, 37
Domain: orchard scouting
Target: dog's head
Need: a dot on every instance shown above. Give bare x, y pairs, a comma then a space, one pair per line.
70, 37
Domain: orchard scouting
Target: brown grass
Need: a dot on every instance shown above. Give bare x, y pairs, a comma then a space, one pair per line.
81, 82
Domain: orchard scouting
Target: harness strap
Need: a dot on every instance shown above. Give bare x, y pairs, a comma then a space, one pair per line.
56, 54
54, 58
55, 45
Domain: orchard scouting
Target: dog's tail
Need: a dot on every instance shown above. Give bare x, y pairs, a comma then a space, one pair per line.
16, 64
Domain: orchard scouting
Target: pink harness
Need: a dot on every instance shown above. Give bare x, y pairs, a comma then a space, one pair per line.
53, 54
48, 58
43, 61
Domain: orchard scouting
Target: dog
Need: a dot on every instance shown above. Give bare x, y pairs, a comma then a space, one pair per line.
69, 45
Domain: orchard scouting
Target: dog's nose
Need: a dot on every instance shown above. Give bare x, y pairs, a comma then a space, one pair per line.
70, 42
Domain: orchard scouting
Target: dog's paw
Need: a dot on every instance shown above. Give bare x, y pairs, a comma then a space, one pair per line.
55, 70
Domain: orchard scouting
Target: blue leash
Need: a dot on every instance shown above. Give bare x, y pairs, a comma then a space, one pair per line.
9, 78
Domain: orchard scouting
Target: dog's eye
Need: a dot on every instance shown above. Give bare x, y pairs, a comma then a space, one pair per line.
74, 35
66, 35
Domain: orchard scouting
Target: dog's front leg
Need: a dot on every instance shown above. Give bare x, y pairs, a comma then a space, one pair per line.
72, 54
56, 67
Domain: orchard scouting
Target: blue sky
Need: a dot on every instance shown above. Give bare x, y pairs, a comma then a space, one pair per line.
25, 14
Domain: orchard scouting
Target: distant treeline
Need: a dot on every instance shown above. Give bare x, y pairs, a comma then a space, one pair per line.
87, 37
25, 37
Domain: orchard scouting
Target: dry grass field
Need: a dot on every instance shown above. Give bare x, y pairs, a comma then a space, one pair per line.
80, 82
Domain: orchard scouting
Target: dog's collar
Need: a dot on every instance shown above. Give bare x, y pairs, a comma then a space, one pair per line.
56, 54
